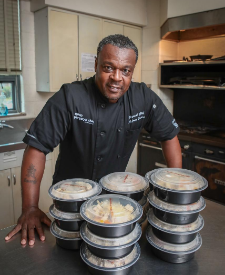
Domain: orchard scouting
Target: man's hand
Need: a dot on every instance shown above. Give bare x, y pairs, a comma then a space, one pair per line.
30, 220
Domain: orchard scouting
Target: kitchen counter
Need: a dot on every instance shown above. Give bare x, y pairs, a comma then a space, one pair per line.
49, 258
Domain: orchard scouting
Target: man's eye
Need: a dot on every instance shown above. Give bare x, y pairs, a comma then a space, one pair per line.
126, 72
108, 68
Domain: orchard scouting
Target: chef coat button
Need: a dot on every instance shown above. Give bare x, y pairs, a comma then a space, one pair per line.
102, 133
99, 158
118, 156
119, 130
103, 106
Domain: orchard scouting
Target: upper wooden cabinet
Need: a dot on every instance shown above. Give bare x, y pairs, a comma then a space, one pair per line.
66, 46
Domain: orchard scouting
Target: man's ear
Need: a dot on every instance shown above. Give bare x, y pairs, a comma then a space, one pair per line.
96, 63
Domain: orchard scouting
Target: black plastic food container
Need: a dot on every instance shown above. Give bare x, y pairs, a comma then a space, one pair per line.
100, 266
175, 218
173, 213
173, 253
66, 220
66, 239
172, 233
177, 186
124, 183
110, 248
121, 225
69, 195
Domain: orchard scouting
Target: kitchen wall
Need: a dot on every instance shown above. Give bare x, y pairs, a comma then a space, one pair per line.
155, 51
213, 46
32, 101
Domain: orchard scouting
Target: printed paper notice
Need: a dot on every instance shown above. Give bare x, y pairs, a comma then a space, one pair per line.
87, 62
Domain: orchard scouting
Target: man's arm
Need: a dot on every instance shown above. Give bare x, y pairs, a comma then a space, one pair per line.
172, 153
31, 174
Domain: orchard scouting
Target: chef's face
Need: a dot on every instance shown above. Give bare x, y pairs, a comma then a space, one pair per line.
114, 68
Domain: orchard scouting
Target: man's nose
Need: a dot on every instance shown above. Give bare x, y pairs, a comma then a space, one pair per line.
116, 75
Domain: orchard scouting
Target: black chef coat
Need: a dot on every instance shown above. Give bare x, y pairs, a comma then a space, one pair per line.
97, 137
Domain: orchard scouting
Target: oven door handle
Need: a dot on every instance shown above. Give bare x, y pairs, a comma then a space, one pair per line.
210, 160
158, 148
149, 146
157, 164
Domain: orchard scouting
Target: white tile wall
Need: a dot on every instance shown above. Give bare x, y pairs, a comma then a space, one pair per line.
33, 102
213, 46
155, 51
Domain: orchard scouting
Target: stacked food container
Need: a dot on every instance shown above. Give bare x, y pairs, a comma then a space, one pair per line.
175, 221
110, 234
127, 184
68, 196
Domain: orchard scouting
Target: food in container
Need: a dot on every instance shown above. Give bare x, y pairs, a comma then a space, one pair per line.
176, 185
173, 233
174, 213
68, 195
100, 266
68, 221
173, 253
66, 239
125, 183
111, 215
110, 248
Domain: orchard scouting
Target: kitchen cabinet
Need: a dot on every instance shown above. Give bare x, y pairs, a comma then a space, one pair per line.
90, 33
63, 37
56, 48
10, 183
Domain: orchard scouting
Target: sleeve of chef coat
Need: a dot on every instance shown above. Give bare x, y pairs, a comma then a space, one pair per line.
160, 123
51, 125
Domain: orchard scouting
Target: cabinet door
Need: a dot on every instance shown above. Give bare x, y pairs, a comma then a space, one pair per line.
90, 34
63, 48
44, 199
17, 196
111, 28
135, 35
6, 199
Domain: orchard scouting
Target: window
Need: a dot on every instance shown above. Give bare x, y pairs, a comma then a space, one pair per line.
10, 93
10, 55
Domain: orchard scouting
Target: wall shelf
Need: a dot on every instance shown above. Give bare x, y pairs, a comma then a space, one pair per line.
174, 75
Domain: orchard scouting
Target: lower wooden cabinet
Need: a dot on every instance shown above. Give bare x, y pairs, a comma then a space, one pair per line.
10, 195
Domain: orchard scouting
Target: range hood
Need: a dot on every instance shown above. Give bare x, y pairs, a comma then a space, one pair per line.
194, 26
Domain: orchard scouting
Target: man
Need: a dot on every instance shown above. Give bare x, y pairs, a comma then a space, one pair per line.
97, 123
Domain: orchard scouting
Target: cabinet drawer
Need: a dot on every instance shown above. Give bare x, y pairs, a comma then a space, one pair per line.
11, 159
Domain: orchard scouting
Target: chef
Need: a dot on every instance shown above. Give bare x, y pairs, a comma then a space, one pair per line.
97, 122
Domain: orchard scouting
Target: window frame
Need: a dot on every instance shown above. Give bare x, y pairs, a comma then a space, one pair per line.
16, 91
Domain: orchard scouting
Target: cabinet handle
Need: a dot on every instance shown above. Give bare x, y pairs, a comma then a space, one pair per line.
14, 178
8, 180
160, 165
77, 77
81, 77
209, 152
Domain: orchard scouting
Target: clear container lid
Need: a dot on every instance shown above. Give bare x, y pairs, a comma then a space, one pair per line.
111, 210
63, 234
176, 208
142, 219
109, 264
173, 228
124, 182
173, 248
110, 243
177, 179
63, 216
74, 189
